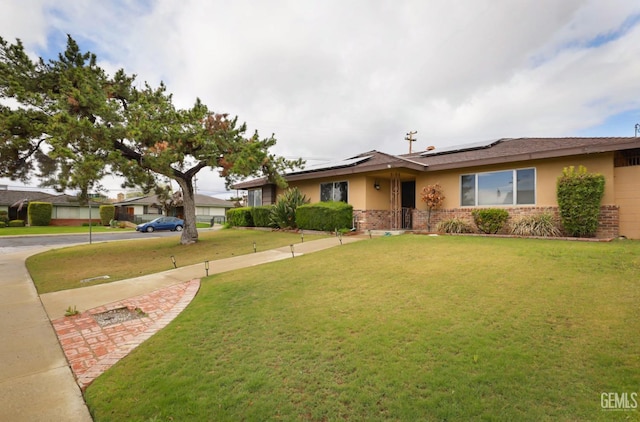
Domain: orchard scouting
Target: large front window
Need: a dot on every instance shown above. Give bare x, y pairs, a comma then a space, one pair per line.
334, 191
254, 198
498, 188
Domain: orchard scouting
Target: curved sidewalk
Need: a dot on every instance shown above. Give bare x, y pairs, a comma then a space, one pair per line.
35, 377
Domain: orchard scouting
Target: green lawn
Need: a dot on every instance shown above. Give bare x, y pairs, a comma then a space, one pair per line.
397, 328
64, 268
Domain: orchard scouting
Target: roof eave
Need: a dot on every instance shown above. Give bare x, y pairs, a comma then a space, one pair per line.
566, 152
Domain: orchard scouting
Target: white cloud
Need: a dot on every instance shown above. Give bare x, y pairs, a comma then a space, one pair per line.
335, 78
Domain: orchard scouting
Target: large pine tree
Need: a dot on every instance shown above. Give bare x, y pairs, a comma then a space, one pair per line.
71, 124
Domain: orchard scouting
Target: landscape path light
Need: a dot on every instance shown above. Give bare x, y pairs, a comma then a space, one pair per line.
206, 267
173, 259
292, 254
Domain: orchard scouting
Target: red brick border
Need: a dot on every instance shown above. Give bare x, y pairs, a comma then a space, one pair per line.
91, 349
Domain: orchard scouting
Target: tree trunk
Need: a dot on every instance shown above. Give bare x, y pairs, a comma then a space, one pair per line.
190, 231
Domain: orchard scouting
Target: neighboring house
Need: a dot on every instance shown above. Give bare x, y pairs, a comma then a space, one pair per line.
146, 208
517, 174
66, 210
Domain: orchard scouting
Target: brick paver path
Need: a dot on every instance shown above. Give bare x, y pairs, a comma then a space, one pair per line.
92, 349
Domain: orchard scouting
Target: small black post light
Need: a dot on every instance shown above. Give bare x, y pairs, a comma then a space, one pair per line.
301, 236
173, 259
254, 247
340, 237
206, 267
292, 254
369, 233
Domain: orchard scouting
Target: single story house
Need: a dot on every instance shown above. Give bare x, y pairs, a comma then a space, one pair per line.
66, 209
146, 208
518, 174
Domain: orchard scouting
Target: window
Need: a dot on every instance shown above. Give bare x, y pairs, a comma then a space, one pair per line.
334, 191
254, 198
498, 188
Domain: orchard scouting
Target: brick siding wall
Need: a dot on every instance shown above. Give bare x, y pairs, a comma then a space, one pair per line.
608, 226
380, 220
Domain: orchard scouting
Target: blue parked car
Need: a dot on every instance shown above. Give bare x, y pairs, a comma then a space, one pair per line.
161, 223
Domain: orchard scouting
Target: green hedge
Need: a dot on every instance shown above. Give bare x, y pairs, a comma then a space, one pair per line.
490, 220
4, 217
39, 213
324, 216
579, 197
240, 217
16, 223
107, 212
261, 215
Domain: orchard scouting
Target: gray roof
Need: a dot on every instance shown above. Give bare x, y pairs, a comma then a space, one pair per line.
474, 154
11, 197
519, 149
201, 201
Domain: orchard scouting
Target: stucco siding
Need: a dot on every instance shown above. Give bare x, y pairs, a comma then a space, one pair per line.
627, 192
547, 173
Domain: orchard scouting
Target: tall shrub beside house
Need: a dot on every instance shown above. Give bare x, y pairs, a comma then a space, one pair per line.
107, 212
325, 216
283, 213
240, 217
261, 215
39, 213
579, 197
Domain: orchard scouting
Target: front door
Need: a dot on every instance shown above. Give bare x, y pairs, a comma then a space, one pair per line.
408, 203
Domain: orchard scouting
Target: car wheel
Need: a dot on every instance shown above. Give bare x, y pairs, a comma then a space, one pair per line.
178, 228
149, 229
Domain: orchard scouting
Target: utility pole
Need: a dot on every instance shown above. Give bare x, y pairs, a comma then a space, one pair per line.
409, 138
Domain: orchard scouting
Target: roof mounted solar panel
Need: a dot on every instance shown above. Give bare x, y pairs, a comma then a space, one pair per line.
333, 164
460, 148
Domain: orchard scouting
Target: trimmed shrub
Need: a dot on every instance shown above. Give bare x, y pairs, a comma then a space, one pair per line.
39, 213
490, 220
579, 197
261, 215
16, 223
283, 213
535, 225
4, 217
325, 216
240, 217
107, 212
454, 225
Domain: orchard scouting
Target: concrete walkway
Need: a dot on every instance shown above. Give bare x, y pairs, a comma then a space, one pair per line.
36, 383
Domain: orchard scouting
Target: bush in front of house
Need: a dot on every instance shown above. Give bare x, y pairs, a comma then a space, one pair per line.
283, 212
39, 213
4, 217
454, 225
240, 217
107, 213
490, 220
16, 223
325, 216
579, 197
542, 225
261, 215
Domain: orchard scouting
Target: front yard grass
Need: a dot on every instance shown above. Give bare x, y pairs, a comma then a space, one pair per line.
397, 328
64, 268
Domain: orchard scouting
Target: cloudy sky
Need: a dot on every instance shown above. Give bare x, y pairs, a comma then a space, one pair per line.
332, 79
